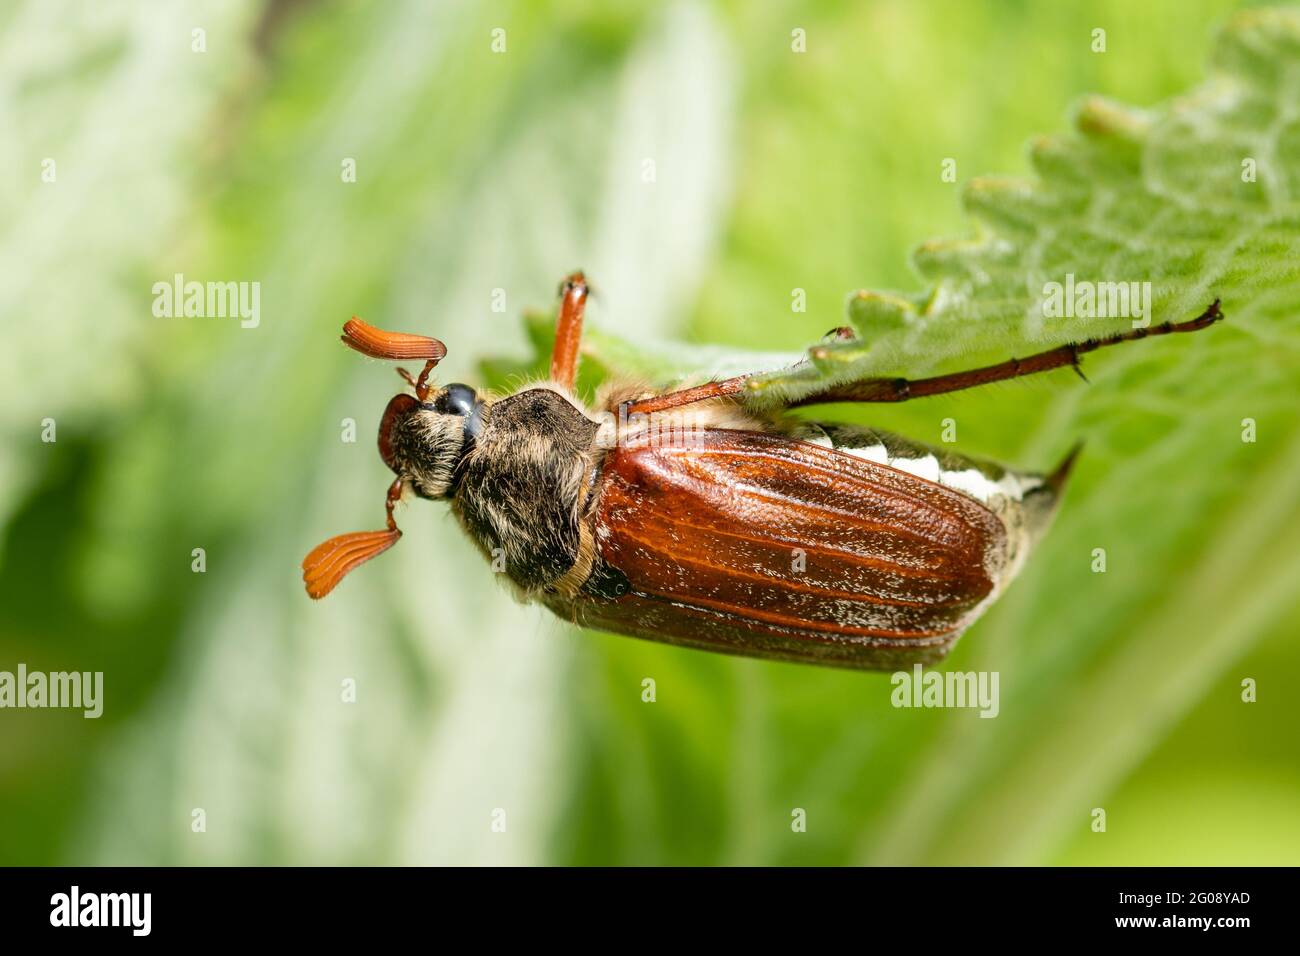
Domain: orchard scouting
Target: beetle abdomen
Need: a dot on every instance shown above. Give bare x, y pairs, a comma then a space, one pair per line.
772, 546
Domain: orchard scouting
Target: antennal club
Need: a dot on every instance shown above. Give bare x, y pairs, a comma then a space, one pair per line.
396, 346
329, 562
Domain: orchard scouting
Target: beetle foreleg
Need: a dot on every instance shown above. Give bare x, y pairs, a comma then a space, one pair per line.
568, 330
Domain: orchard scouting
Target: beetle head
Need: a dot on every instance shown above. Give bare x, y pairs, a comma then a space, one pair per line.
423, 442
422, 438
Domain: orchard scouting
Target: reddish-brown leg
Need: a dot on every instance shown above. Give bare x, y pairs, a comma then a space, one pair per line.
901, 389
568, 330
688, 396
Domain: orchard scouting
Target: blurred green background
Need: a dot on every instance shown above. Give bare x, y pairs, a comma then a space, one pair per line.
480, 171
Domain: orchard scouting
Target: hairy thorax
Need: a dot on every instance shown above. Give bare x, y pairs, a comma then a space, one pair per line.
529, 487
524, 485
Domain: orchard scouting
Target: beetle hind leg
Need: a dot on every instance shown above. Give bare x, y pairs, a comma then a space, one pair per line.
900, 390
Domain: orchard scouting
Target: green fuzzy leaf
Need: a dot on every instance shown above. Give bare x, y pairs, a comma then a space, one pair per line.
1197, 198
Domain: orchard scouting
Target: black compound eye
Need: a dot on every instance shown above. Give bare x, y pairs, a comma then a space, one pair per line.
455, 399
